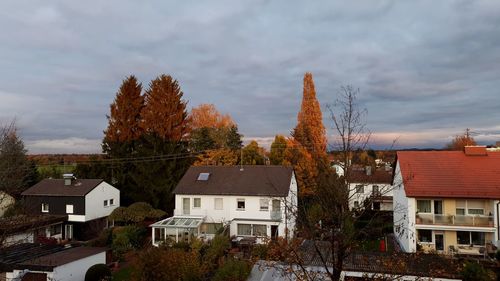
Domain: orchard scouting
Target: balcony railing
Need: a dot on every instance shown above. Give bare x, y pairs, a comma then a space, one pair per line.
458, 220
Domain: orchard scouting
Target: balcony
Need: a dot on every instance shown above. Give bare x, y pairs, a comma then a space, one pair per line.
456, 220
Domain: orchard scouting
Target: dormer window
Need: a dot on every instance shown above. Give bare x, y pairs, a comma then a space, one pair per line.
203, 176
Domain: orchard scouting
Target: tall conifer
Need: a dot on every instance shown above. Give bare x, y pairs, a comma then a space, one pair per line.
310, 131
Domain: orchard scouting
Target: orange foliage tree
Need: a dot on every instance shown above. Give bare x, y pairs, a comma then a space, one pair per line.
461, 141
206, 115
164, 114
306, 170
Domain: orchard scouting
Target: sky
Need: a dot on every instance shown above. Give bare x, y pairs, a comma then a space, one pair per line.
425, 70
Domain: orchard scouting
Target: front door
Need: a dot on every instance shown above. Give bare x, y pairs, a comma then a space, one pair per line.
68, 231
274, 232
439, 240
186, 206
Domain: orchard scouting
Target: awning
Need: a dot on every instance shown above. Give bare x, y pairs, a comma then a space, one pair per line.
179, 222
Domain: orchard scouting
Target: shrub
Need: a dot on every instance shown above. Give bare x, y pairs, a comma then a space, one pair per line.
104, 239
217, 249
135, 213
98, 272
497, 255
260, 251
473, 271
127, 238
233, 270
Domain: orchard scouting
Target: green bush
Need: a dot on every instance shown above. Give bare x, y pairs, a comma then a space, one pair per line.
135, 213
260, 251
127, 238
98, 272
104, 239
233, 270
497, 255
473, 271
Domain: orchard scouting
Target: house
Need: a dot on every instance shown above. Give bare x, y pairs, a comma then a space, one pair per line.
31, 229
315, 257
247, 201
447, 201
48, 262
370, 189
86, 202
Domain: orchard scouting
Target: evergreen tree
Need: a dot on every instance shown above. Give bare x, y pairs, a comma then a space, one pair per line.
124, 121
164, 114
310, 131
278, 147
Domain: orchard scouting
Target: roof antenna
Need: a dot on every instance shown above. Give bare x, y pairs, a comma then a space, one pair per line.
241, 161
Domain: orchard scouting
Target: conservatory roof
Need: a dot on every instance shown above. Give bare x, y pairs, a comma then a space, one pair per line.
179, 222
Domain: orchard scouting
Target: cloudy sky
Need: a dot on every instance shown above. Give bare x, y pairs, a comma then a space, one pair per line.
426, 70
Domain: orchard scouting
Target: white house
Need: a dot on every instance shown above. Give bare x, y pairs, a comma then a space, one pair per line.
30, 229
447, 201
49, 262
86, 202
369, 189
252, 201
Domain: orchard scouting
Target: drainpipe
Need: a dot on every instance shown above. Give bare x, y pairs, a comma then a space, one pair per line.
498, 222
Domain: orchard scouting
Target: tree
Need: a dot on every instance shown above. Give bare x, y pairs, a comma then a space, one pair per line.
124, 119
207, 116
164, 114
310, 131
305, 168
461, 141
163, 144
16, 171
253, 154
278, 147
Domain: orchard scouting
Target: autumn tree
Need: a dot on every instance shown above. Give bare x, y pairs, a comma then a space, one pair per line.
207, 116
461, 141
305, 168
310, 134
310, 131
124, 119
214, 136
253, 154
163, 146
278, 147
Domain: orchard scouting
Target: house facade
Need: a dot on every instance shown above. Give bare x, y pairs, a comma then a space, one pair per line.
447, 201
31, 229
86, 202
249, 201
371, 190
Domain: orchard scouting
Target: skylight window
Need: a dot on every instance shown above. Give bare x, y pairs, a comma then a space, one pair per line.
203, 176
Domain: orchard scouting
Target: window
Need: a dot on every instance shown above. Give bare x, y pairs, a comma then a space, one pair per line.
105, 203
264, 204
463, 237
376, 206
111, 202
218, 204
424, 206
259, 230
460, 211
376, 191
425, 236
55, 229
244, 229
360, 188
240, 205
475, 211
471, 238
203, 176
159, 235
45, 207
69, 209
197, 203
210, 228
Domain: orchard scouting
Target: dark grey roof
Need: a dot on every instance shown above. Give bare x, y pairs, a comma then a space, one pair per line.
231, 180
56, 187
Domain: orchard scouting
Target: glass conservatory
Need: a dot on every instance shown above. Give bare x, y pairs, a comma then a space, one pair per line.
176, 229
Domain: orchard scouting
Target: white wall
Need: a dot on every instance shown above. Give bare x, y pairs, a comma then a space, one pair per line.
288, 206
75, 271
404, 214
384, 189
94, 201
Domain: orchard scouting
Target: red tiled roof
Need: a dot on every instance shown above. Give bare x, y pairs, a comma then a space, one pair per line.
378, 176
450, 174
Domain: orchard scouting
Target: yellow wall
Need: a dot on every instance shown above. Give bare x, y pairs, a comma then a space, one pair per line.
449, 206
450, 238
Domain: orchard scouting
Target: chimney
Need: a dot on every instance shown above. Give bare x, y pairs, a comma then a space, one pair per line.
368, 170
476, 150
68, 178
